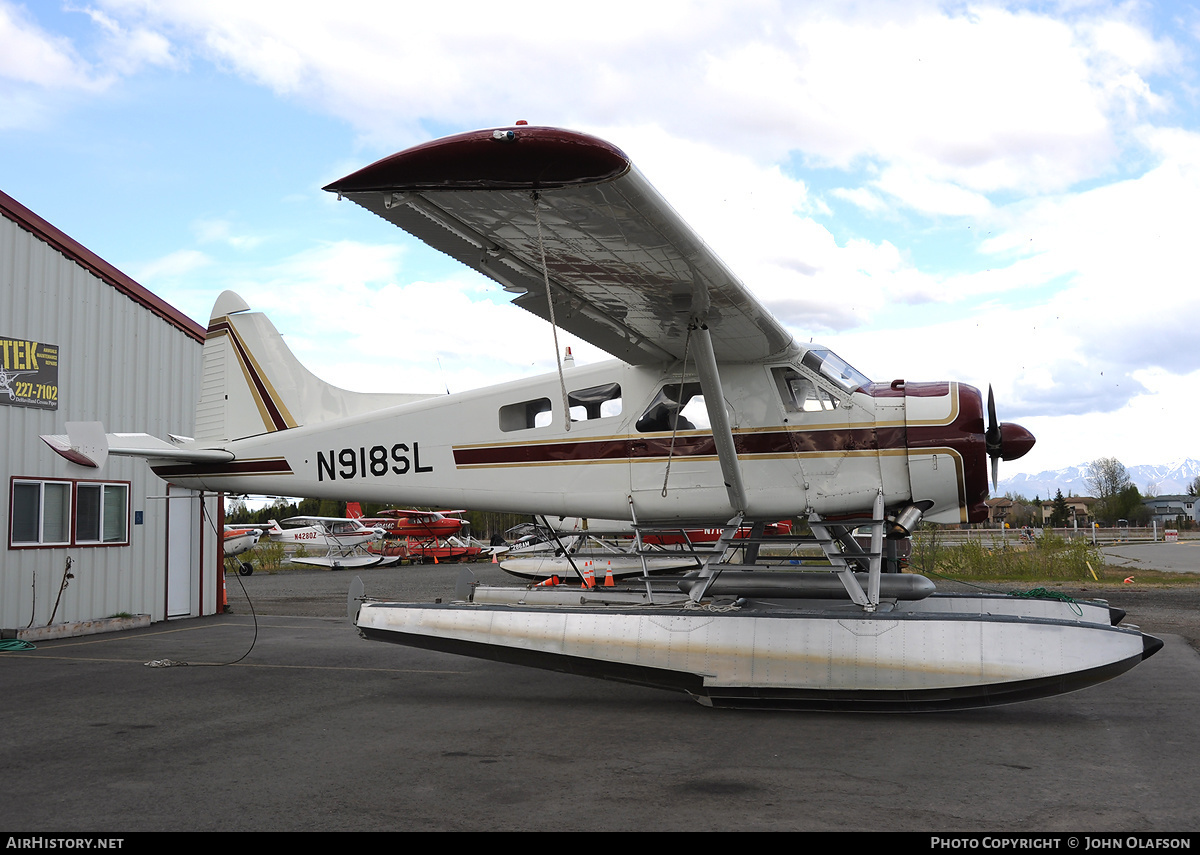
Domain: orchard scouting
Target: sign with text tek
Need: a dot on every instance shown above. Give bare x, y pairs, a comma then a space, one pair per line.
28, 373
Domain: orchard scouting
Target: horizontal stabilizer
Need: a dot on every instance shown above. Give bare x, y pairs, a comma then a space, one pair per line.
86, 444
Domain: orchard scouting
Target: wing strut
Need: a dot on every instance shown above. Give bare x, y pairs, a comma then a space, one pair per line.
718, 418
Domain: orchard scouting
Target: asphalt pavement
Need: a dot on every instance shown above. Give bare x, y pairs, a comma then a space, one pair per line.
292, 722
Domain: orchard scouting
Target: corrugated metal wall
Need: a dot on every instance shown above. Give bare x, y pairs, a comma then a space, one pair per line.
119, 364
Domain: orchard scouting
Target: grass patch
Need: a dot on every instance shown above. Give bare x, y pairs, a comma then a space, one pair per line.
1047, 557
269, 555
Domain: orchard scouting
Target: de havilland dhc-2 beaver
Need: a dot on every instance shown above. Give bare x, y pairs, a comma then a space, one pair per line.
711, 415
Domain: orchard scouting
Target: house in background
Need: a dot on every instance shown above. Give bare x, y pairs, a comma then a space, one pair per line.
1079, 509
1166, 510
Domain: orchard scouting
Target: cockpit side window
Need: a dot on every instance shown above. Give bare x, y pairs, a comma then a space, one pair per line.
800, 394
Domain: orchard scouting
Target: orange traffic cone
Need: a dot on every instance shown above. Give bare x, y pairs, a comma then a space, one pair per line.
608, 579
547, 583
589, 577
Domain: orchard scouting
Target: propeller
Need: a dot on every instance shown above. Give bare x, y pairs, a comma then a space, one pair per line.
1004, 440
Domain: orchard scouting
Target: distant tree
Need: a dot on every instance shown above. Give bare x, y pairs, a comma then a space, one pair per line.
1131, 506
1108, 480
1194, 487
1060, 515
235, 508
330, 508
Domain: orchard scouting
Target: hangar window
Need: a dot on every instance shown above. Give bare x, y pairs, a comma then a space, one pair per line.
41, 513
100, 513
525, 415
598, 402
68, 513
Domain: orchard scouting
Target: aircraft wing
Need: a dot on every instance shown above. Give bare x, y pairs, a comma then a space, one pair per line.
425, 515
626, 272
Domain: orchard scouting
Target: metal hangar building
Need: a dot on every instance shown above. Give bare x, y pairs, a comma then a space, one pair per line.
79, 342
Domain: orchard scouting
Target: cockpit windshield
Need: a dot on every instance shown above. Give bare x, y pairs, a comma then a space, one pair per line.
831, 366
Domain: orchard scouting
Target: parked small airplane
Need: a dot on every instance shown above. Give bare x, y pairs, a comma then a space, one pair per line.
428, 536
343, 539
570, 548
239, 539
398, 523
713, 415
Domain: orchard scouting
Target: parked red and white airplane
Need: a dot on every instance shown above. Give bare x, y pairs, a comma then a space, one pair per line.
428, 536
239, 539
410, 523
344, 540
713, 414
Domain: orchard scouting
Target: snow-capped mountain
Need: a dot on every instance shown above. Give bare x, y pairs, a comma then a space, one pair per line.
1165, 478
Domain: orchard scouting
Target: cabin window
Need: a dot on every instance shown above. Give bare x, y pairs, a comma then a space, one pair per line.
598, 402
676, 406
68, 513
525, 415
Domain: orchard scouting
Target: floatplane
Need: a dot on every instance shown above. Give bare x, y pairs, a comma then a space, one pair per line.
594, 551
420, 535
711, 414
344, 540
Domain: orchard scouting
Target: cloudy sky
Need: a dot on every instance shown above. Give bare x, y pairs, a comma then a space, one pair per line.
1000, 193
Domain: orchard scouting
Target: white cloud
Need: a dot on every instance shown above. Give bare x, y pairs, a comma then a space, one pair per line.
127, 50
30, 55
171, 266
221, 231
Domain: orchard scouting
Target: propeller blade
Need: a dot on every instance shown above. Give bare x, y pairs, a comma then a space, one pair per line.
993, 437
1004, 441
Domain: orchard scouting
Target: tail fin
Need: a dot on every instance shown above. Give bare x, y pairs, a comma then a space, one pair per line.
253, 384
354, 510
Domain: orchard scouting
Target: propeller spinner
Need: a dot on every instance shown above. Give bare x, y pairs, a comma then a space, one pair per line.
1005, 440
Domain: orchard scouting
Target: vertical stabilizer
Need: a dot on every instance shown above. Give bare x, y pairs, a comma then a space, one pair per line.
253, 384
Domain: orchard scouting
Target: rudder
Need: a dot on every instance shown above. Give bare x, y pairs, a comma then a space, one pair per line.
253, 384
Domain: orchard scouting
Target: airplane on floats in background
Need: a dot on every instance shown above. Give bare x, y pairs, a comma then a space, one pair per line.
343, 540
712, 414
419, 535
410, 523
